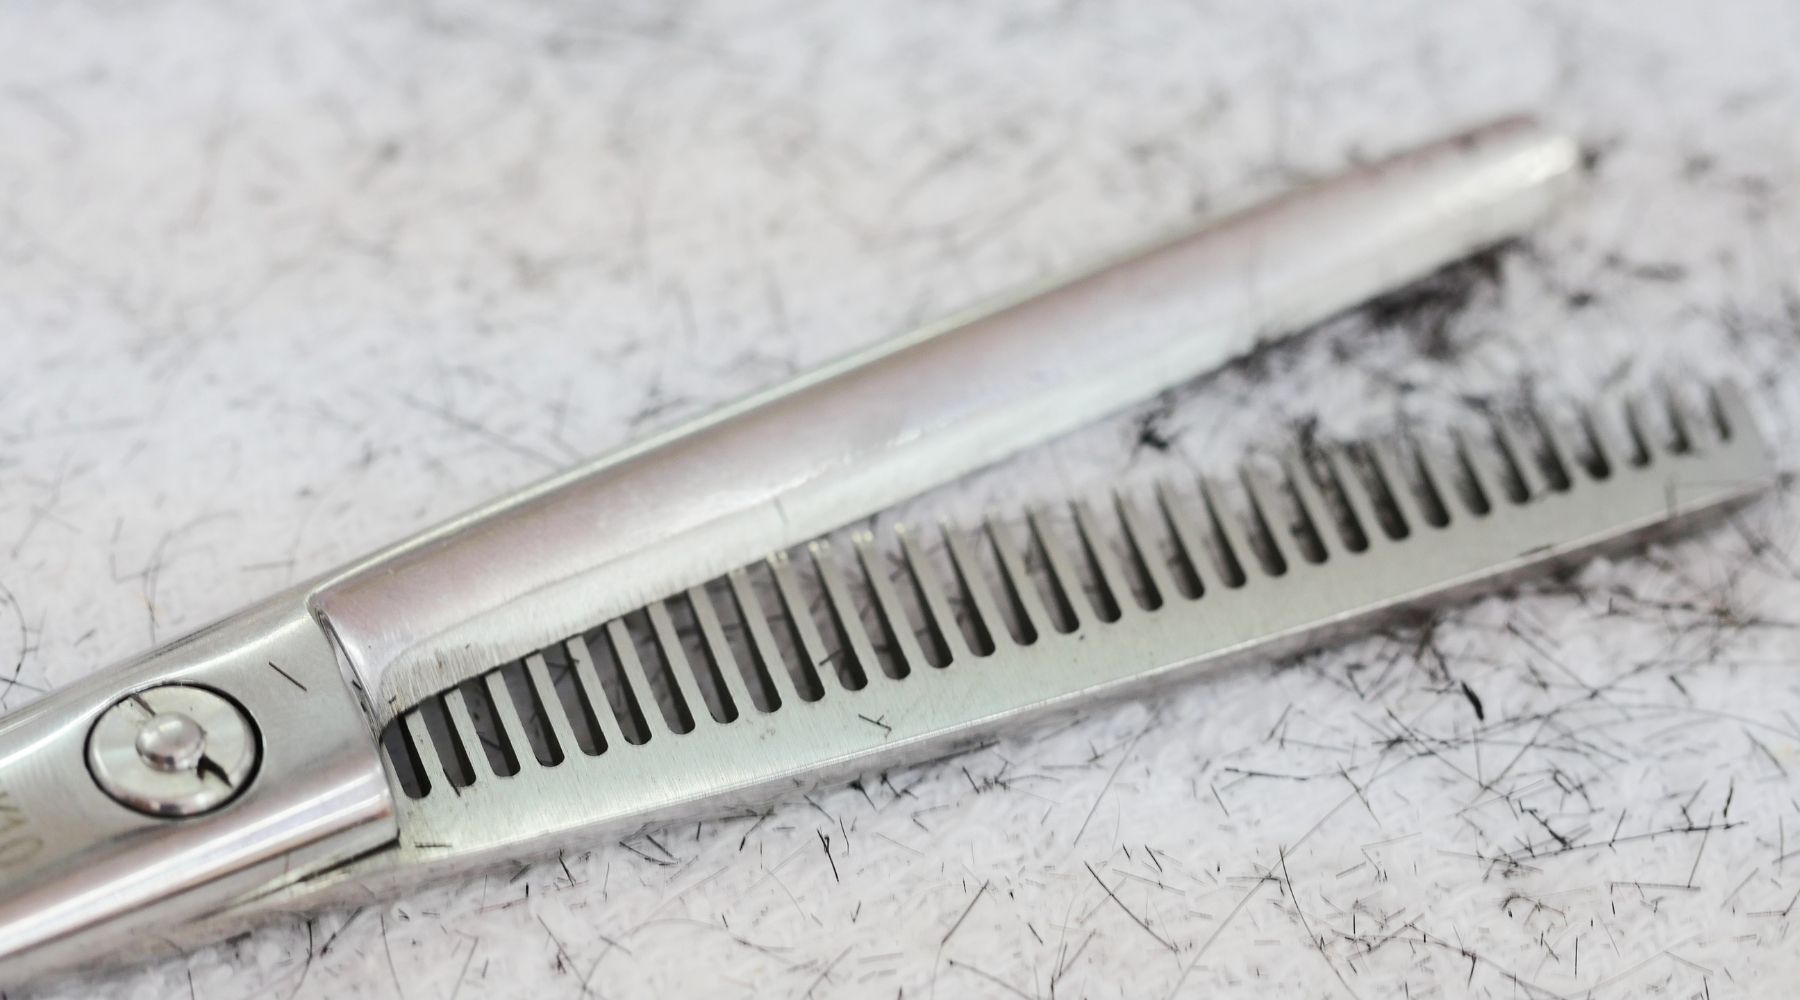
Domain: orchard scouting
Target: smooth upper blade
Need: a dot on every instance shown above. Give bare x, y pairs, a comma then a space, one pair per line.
876, 428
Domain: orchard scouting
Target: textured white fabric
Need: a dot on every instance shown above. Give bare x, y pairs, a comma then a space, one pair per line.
281, 282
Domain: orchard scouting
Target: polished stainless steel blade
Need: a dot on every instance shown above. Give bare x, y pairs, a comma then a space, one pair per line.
847, 656
139, 848
920, 410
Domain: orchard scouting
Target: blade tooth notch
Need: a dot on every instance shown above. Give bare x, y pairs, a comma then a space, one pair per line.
785, 679
543, 688
1031, 616
816, 661
852, 637
903, 652
941, 626
987, 622
1264, 514
1108, 587
1145, 549
1228, 542
1313, 511
512, 723
646, 707
425, 751
462, 722
602, 707
1357, 495
679, 669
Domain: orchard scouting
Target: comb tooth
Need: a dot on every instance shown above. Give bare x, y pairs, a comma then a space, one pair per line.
1602, 445
1610, 429
889, 609
1637, 437
1313, 507
537, 671
1062, 572
637, 682
462, 722
989, 624
1661, 441
587, 679
668, 643
512, 726
1177, 512
723, 661
1143, 543
1034, 617
1265, 512
402, 763
1356, 494
1698, 430
815, 656
1567, 448
769, 658
1709, 415
1437, 469
937, 604
1486, 469
1349, 505
1234, 544
1115, 596
425, 752
1558, 458
1385, 453
1731, 410
843, 612
1668, 405
1518, 454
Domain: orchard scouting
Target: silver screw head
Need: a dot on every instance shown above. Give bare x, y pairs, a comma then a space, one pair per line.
171, 742
173, 750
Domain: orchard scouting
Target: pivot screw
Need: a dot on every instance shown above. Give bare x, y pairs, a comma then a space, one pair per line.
171, 742
174, 750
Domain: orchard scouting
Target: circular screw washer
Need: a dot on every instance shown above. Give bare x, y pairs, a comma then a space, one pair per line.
174, 750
